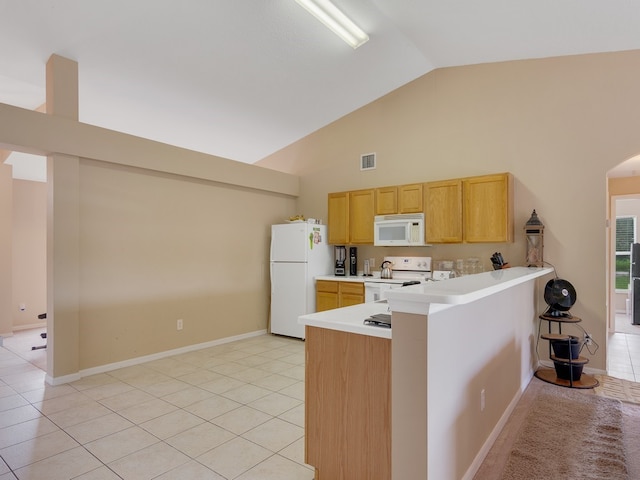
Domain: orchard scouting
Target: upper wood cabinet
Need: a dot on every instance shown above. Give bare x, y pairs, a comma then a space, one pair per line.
338, 222
488, 208
474, 209
351, 217
401, 199
443, 211
386, 200
410, 198
361, 212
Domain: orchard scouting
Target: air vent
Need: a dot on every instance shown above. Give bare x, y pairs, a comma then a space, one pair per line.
368, 161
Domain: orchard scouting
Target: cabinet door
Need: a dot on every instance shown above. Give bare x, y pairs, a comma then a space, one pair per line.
326, 301
386, 201
443, 211
338, 222
348, 405
488, 208
410, 198
351, 293
326, 295
361, 213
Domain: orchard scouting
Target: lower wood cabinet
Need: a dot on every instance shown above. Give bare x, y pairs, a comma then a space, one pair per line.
334, 294
347, 405
326, 295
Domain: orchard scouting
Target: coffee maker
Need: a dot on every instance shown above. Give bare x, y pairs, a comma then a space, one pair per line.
341, 257
353, 261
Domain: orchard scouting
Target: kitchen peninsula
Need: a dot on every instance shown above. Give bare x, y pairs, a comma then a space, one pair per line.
456, 361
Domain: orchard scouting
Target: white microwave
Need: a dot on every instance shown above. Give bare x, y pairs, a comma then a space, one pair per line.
399, 230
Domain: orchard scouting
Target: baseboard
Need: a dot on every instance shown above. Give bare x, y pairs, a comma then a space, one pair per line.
147, 358
63, 379
482, 453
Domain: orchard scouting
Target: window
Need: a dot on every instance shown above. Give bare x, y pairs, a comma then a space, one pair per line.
625, 236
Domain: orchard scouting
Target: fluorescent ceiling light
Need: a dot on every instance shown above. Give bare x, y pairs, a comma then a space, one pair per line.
336, 21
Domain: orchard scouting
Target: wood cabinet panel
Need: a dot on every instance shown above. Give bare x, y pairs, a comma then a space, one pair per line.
326, 301
361, 213
350, 293
410, 198
338, 221
347, 405
474, 209
326, 295
488, 208
335, 294
386, 200
351, 288
443, 211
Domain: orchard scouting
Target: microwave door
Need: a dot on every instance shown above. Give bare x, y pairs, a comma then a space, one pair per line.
392, 233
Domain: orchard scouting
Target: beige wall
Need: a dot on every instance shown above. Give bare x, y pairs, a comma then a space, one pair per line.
557, 124
140, 234
158, 247
29, 253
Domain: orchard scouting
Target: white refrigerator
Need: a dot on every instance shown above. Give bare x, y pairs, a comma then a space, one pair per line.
299, 252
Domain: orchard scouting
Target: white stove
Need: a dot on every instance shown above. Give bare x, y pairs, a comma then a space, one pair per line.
410, 268
405, 269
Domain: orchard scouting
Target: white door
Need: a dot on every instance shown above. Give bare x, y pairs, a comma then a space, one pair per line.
288, 298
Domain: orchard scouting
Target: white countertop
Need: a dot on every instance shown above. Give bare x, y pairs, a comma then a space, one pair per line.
423, 299
456, 291
349, 319
361, 279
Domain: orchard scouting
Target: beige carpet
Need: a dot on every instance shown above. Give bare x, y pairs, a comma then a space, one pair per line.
569, 435
538, 402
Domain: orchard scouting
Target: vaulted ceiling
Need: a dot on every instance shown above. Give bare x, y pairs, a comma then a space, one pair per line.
242, 79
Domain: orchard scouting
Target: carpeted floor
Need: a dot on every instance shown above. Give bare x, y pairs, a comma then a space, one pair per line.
498, 457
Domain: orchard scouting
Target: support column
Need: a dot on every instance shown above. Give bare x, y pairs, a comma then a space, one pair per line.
63, 232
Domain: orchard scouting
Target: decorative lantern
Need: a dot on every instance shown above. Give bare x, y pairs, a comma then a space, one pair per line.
533, 231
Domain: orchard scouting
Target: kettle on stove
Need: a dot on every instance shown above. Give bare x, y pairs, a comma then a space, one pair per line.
386, 271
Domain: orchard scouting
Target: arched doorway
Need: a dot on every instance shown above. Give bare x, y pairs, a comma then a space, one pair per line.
623, 327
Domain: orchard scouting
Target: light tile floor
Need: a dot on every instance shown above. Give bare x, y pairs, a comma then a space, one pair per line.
623, 350
234, 411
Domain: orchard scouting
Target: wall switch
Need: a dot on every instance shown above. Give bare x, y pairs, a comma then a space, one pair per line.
482, 400
179, 324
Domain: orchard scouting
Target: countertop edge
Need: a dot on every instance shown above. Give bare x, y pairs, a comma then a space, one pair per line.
349, 319
417, 299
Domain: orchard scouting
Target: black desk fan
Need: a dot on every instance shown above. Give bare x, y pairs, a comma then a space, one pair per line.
560, 296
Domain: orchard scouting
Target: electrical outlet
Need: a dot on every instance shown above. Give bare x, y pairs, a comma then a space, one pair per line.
587, 339
179, 324
482, 400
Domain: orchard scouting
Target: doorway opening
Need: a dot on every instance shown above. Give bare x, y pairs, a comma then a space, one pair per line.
27, 272
623, 332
